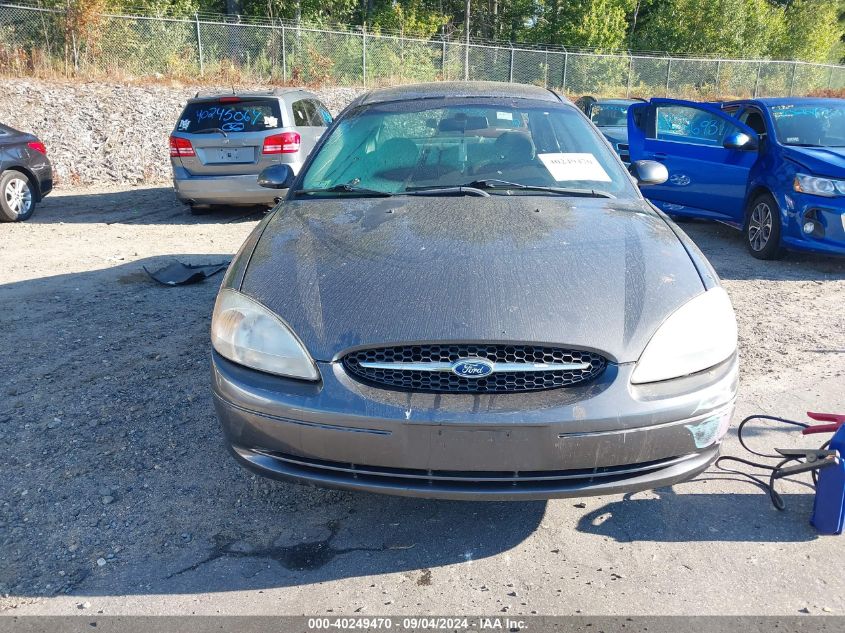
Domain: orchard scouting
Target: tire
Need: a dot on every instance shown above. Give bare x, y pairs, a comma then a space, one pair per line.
763, 228
17, 197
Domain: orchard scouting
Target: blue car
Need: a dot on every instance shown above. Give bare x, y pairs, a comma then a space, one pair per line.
774, 168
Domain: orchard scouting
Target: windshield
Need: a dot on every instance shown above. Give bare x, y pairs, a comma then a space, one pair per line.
810, 125
230, 114
409, 146
609, 114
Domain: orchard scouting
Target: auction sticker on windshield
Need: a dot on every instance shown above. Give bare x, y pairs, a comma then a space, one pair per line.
574, 167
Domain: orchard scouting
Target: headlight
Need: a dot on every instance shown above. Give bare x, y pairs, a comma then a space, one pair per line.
697, 336
819, 186
246, 332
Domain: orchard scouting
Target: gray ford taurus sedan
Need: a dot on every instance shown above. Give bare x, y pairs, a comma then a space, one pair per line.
465, 296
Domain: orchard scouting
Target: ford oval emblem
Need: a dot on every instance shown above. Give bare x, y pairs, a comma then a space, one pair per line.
472, 368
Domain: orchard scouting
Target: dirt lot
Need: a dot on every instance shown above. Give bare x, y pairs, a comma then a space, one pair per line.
118, 496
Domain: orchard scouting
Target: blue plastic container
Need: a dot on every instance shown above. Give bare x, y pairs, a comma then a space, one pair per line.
829, 507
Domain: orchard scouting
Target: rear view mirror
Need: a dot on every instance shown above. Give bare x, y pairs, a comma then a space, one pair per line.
463, 124
276, 177
649, 172
739, 140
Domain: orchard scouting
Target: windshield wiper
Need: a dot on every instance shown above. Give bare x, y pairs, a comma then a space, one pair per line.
494, 183
462, 190
474, 188
348, 187
212, 130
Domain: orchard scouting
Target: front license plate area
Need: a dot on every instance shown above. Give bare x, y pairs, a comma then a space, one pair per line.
505, 450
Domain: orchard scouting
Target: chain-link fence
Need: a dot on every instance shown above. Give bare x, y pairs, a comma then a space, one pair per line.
36, 40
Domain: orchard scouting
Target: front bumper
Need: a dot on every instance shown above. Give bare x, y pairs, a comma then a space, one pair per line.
828, 213
604, 438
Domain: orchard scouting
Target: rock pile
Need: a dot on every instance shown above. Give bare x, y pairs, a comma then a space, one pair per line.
99, 133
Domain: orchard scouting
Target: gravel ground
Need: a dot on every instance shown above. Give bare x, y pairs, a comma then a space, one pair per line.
119, 498
112, 133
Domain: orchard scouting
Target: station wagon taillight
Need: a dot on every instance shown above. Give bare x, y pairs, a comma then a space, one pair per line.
38, 146
181, 147
284, 143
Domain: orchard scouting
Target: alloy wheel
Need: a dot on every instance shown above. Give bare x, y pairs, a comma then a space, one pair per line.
18, 196
760, 226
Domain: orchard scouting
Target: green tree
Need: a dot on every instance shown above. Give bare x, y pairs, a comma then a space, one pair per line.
813, 33
176, 8
808, 30
410, 18
731, 28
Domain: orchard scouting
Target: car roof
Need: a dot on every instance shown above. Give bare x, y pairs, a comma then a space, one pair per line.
769, 102
618, 101
275, 92
446, 89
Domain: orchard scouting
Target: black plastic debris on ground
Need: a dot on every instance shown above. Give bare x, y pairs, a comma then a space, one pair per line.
179, 274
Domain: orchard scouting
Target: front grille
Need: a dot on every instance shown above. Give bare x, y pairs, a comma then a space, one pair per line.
521, 367
624, 152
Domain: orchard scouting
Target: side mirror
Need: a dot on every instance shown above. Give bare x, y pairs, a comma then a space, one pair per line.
740, 141
649, 172
276, 177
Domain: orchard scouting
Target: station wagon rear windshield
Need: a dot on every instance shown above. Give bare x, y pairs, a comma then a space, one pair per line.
408, 146
810, 125
230, 114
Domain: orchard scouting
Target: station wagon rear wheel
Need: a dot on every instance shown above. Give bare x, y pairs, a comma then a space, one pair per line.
17, 197
762, 228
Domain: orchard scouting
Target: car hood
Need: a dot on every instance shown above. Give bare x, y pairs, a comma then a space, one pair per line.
821, 161
615, 134
595, 274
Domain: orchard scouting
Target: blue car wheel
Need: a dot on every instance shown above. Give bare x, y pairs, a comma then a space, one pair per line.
763, 228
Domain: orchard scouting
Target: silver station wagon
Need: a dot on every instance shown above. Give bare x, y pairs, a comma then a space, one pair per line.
222, 141
464, 295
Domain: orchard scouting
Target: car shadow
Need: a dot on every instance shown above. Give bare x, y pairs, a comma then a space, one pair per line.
725, 249
666, 516
133, 205
117, 481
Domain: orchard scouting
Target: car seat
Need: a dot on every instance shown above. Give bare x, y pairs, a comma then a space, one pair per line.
513, 148
513, 159
394, 159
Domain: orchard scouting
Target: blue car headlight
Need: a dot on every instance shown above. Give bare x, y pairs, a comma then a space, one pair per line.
828, 187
